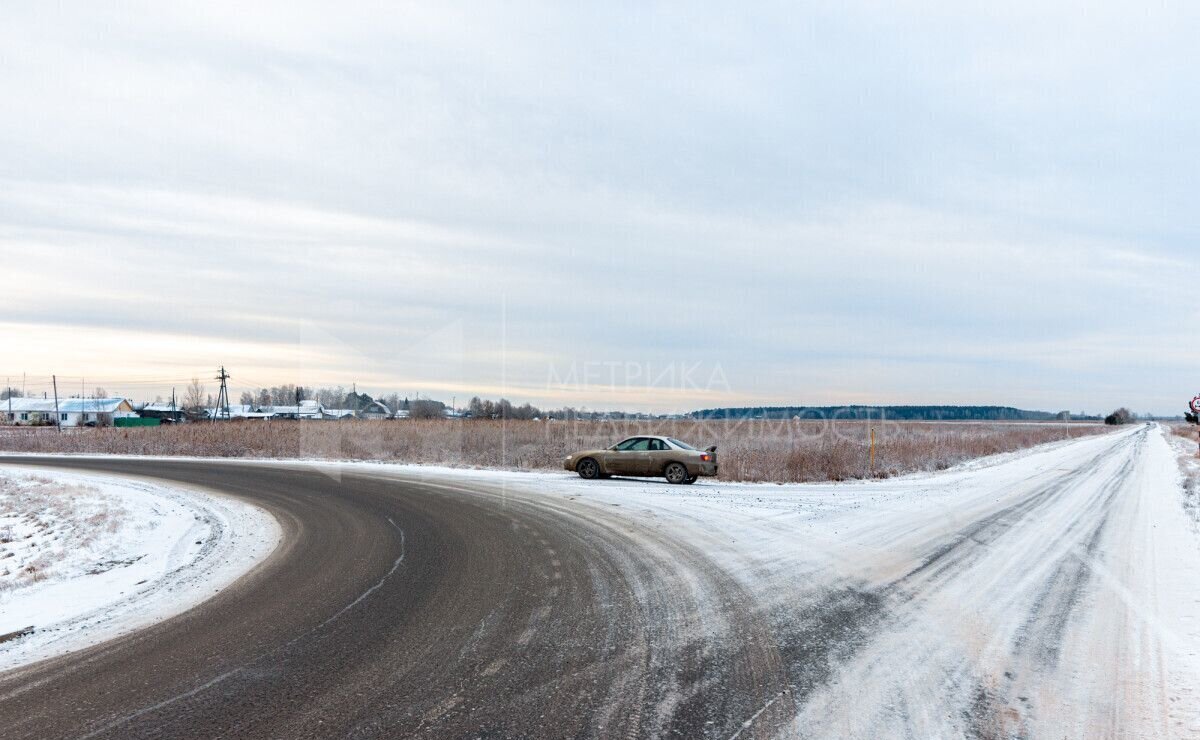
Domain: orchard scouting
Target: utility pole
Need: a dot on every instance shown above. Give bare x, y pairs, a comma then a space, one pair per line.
57, 416
222, 395
8, 390
174, 418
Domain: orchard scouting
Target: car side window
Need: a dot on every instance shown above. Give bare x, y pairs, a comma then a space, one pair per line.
657, 445
627, 445
640, 445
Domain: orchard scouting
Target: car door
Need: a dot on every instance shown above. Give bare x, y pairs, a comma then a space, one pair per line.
631, 457
660, 455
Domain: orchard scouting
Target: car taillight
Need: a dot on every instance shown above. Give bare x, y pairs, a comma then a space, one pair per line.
704, 457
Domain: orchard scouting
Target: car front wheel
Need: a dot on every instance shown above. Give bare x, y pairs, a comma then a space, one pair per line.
588, 468
676, 473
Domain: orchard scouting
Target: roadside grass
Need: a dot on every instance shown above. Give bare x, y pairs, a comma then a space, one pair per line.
41, 521
750, 450
1189, 466
1187, 431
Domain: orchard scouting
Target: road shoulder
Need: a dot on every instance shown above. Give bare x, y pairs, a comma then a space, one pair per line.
91, 557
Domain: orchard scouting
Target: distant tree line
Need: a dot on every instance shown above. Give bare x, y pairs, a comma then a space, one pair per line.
336, 397
502, 409
894, 413
478, 408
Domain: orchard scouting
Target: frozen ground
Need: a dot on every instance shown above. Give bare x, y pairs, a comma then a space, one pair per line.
86, 558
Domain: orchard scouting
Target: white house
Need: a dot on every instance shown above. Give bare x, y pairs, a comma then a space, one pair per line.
304, 410
238, 411
72, 412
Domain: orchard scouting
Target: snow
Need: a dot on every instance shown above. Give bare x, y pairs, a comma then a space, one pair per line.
88, 557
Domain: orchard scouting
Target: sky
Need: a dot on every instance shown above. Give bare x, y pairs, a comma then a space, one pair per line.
613, 205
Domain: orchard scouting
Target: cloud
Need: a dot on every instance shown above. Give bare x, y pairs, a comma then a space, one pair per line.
879, 202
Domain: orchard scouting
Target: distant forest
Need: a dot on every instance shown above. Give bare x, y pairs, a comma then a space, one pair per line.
895, 413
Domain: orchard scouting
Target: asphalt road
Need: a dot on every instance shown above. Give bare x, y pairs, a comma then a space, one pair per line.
397, 608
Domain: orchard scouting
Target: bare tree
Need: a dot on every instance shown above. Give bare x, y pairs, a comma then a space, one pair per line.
502, 409
1119, 417
247, 398
193, 395
99, 392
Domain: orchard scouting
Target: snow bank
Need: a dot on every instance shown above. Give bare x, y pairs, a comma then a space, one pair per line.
87, 557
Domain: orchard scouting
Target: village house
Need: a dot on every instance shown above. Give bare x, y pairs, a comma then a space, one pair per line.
375, 410
71, 412
163, 411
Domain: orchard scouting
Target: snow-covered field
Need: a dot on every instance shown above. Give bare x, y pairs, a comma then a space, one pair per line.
85, 558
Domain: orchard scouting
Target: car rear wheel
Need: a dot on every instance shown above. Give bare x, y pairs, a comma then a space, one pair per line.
588, 468
691, 480
676, 473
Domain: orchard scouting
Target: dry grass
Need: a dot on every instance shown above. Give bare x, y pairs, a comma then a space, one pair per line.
1187, 431
781, 451
41, 521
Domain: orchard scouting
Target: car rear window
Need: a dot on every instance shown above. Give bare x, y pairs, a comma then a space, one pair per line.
680, 445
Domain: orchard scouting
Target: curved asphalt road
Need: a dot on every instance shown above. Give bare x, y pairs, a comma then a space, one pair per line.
396, 608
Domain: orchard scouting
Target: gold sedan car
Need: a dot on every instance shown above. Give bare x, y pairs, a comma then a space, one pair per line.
646, 456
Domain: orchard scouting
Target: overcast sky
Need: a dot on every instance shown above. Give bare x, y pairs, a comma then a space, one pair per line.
608, 206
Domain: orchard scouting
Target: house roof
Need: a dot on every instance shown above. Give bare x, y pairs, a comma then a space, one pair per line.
236, 411
305, 409
25, 405
65, 405
161, 406
90, 405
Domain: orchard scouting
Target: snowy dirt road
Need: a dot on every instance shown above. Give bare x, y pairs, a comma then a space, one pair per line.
1057, 596
1049, 593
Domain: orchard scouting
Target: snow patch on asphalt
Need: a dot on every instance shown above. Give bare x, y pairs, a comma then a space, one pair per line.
88, 557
